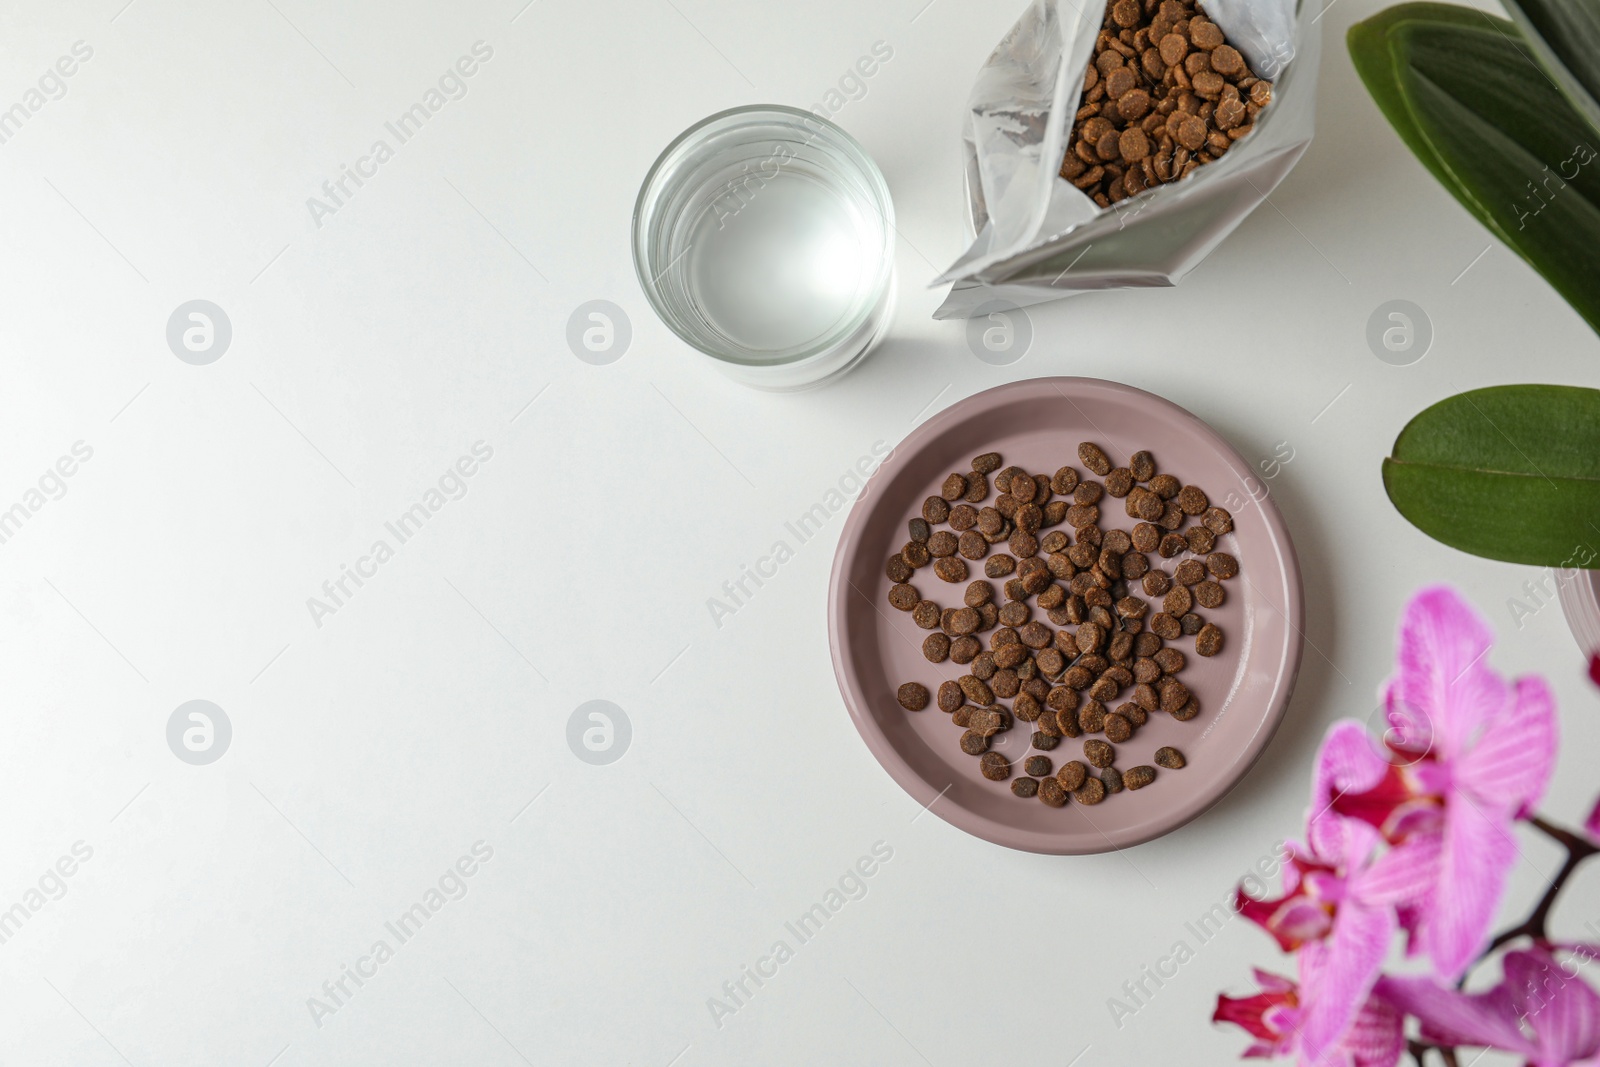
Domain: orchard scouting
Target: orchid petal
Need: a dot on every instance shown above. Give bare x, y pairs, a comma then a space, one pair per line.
1377, 1037
1456, 1018
1340, 842
1495, 1003
1411, 917
1341, 972
1510, 765
1591, 825
1264, 914
1443, 643
1348, 762
1272, 983
1298, 921
1403, 875
1267, 1016
1409, 729
1478, 852
1560, 1007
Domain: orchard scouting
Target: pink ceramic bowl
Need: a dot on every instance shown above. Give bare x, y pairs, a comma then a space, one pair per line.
1243, 692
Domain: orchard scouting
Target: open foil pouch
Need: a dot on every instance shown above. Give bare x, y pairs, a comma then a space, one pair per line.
1039, 237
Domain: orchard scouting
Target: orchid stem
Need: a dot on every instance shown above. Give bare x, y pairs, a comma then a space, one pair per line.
1572, 841
1419, 1048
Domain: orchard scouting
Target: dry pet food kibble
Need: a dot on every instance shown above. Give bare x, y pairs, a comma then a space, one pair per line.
995, 767
1169, 758
1114, 619
1095, 458
913, 696
1170, 660
1138, 777
1051, 793
1072, 775
1091, 792
1092, 717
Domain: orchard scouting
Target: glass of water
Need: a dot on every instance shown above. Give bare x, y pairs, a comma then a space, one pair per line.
764, 237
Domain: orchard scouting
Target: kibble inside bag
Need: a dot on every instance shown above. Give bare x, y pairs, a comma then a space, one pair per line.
1040, 236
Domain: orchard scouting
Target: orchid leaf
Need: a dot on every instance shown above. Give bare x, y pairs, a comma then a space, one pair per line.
1465, 93
1510, 472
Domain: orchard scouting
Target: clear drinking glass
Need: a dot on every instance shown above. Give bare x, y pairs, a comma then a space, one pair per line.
764, 237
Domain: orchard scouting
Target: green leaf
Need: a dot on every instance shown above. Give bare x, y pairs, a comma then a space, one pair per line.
1463, 92
1510, 472
1368, 42
1565, 36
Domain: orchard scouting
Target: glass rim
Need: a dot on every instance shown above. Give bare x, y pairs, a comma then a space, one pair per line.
864, 164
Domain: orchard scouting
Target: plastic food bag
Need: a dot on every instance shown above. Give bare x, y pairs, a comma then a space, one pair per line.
1038, 237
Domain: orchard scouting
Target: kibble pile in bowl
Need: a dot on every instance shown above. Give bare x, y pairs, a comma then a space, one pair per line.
1066, 678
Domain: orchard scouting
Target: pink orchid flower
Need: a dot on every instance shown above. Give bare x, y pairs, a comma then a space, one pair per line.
1338, 912
1541, 1010
1269, 1016
1467, 755
1274, 1018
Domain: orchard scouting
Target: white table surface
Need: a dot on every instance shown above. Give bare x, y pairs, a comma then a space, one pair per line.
371, 752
